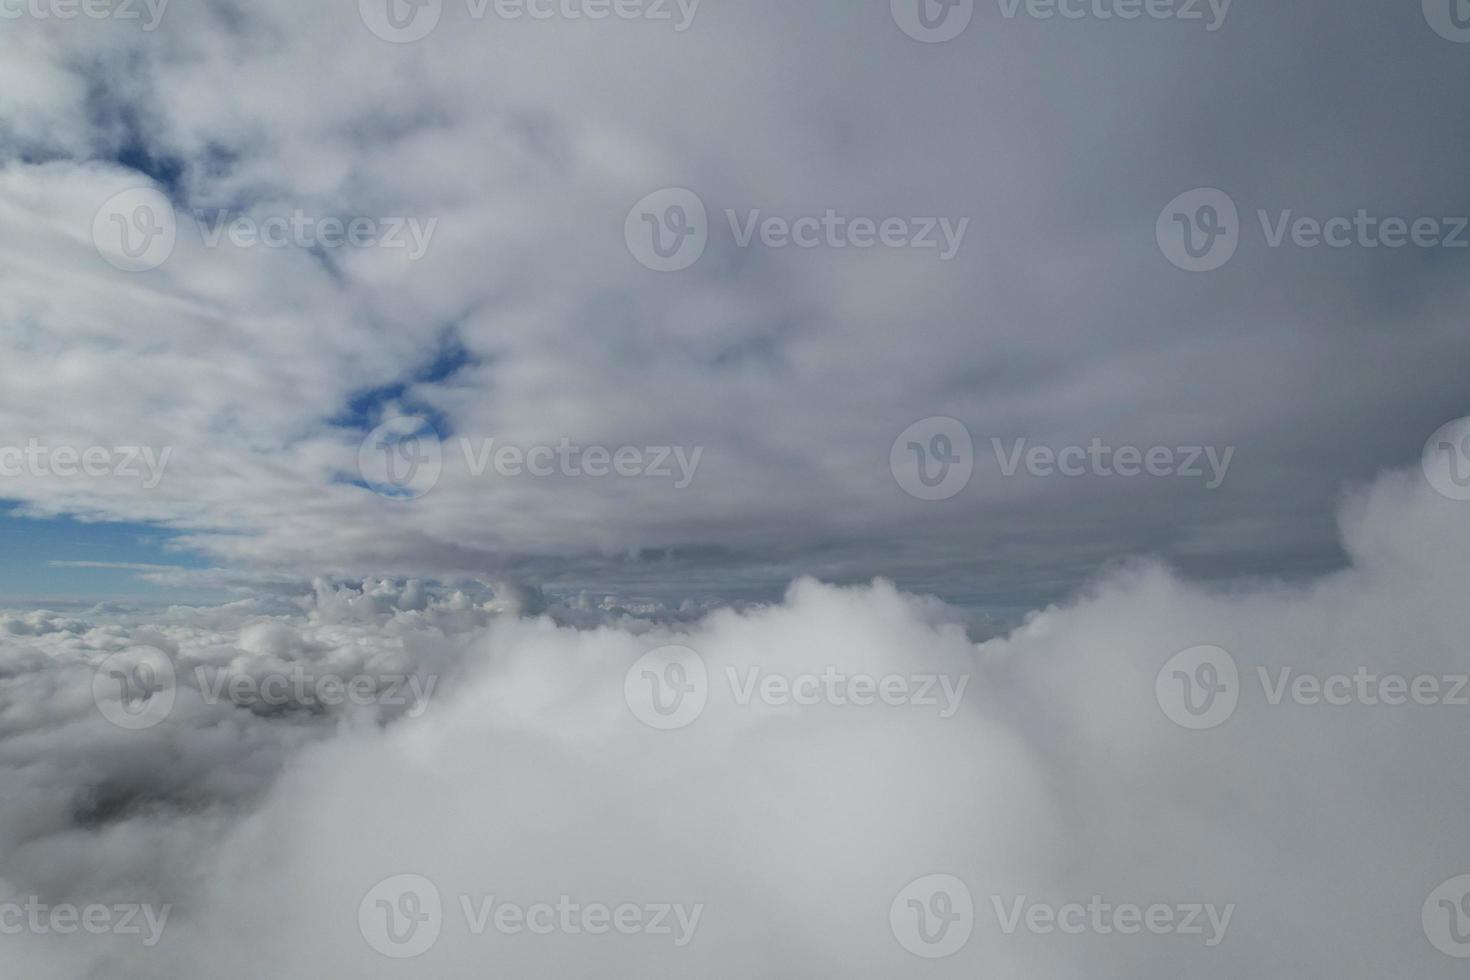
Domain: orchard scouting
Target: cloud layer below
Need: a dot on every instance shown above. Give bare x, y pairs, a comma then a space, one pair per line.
792, 828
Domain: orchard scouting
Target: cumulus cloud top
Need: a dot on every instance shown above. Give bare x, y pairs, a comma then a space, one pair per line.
785, 831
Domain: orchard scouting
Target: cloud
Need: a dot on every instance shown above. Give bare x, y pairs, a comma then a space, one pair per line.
792, 826
123, 566
524, 690
793, 369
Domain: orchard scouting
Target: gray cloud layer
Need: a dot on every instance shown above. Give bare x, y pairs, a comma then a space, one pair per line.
1058, 321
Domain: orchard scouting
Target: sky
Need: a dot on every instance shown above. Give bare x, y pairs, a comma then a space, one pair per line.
503, 172
740, 488
53, 561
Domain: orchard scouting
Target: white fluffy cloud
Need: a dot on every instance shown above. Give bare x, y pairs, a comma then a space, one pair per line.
1322, 829
275, 765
